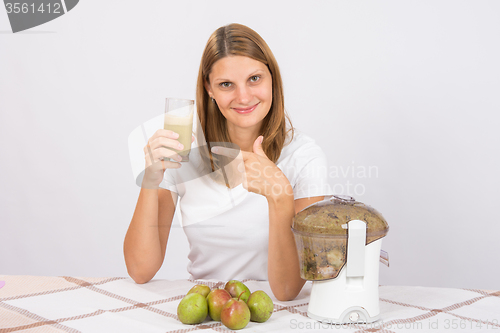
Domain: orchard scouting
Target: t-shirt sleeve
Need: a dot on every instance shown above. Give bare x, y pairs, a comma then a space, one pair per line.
311, 176
168, 182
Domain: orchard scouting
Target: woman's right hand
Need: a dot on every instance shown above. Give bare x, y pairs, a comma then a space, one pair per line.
159, 149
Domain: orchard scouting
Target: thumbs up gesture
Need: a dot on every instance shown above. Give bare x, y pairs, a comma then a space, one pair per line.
261, 175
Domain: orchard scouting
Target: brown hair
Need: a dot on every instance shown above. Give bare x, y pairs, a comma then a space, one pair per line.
239, 40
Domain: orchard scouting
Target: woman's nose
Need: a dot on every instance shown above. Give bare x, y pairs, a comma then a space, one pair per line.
244, 95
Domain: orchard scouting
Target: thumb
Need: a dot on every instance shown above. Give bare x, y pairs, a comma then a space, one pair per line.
257, 146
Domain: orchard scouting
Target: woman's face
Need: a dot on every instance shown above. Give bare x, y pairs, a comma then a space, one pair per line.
242, 88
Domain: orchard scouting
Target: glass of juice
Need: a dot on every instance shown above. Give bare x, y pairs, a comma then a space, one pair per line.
179, 118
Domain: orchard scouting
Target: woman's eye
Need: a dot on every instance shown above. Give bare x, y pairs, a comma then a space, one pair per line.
225, 84
254, 78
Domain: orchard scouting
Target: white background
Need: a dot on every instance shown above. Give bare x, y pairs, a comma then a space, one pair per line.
408, 88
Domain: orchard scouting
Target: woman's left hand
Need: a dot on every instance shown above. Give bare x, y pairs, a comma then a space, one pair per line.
260, 174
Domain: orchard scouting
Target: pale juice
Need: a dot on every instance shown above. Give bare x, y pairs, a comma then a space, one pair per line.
183, 125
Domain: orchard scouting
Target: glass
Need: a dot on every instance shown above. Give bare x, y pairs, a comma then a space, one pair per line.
179, 119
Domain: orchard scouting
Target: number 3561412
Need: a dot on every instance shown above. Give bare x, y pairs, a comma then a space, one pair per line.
18, 7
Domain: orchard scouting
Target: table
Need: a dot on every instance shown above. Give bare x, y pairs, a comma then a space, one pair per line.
117, 304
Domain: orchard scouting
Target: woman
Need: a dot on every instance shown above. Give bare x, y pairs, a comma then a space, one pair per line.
240, 101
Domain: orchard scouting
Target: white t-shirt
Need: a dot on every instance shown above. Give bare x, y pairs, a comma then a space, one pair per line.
228, 229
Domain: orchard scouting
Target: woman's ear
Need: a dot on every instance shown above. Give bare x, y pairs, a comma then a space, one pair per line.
207, 87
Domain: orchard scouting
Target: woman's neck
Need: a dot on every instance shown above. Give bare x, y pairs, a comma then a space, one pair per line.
244, 138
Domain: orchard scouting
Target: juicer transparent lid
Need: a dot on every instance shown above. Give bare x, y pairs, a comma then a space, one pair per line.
328, 218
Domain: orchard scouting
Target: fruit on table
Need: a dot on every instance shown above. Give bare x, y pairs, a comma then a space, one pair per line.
216, 299
192, 309
235, 288
200, 289
234, 305
235, 314
260, 305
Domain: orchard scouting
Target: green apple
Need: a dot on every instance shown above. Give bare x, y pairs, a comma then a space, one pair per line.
235, 314
235, 288
200, 289
216, 299
192, 309
261, 306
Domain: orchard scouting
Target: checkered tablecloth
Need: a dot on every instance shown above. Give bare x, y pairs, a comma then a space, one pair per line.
72, 304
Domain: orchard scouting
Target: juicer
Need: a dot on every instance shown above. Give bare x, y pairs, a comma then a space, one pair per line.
339, 244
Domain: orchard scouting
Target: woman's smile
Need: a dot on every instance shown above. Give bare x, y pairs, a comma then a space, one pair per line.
243, 110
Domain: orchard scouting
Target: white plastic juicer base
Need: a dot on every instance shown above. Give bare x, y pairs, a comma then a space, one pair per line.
349, 299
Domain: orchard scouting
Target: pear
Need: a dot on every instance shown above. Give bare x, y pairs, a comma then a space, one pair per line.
216, 299
192, 309
261, 306
235, 288
235, 314
200, 289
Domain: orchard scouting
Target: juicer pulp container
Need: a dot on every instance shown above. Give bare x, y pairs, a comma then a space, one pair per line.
338, 242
